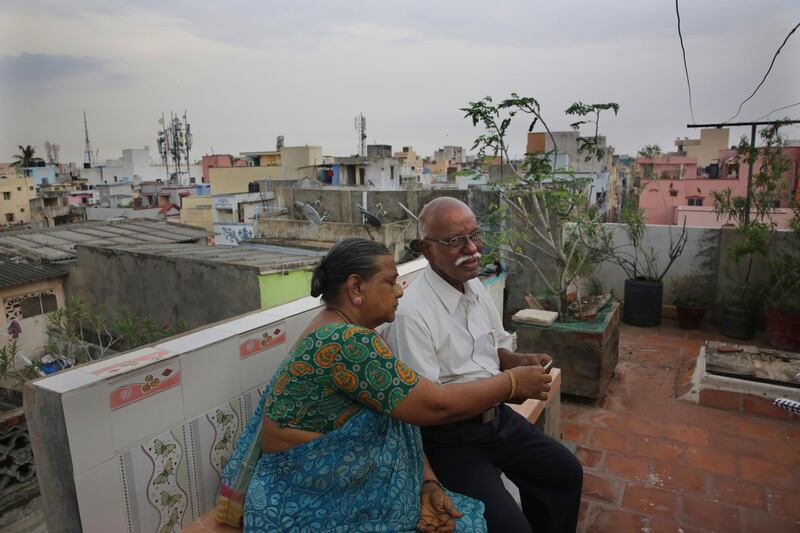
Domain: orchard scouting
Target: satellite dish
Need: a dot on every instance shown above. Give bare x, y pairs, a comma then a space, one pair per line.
368, 218
311, 214
415, 245
407, 210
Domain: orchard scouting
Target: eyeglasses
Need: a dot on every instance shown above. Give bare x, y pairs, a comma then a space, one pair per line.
461, 240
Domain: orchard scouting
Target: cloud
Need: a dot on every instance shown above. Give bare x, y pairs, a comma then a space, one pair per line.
34, 68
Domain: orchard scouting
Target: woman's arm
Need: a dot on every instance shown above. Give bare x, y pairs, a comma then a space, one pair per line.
429, 403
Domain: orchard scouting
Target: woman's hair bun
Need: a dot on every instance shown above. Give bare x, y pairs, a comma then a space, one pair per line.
319, 280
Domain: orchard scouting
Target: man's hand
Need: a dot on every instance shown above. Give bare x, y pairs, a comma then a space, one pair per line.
437, 513
532, 382
528, 359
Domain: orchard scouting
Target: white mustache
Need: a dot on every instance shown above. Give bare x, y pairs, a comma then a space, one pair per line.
464, 258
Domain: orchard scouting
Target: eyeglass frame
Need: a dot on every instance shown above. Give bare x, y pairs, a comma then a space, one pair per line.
471, 237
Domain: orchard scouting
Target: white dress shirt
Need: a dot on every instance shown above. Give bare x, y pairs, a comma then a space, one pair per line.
445, 335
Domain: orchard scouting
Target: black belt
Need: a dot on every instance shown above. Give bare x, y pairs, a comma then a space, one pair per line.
483, 418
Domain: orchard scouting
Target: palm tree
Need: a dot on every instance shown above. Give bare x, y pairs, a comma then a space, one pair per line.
25, 156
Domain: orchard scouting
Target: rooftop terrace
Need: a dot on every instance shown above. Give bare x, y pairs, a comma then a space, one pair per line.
654, 463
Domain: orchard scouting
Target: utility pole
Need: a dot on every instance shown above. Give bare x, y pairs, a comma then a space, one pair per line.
751, 160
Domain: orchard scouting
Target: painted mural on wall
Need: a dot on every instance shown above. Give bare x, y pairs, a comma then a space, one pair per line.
232, 234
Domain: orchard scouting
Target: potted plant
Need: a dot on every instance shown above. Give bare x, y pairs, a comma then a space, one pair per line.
544, 226
690, 298
644, 290
782, 291
744, 294
541, 208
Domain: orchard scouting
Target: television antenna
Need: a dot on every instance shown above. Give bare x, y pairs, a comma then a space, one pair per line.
311, 214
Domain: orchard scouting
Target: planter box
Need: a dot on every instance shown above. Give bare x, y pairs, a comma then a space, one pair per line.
586, 352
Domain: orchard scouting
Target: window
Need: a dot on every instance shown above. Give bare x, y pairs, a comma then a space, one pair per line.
30, 188
21, 209
6, 196
29, 305
695, 201
19, 188
9, 217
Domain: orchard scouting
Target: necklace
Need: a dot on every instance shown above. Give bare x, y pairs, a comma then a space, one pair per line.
341, 314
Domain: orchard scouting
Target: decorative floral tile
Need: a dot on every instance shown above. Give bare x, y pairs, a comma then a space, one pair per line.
262, 339
144, 385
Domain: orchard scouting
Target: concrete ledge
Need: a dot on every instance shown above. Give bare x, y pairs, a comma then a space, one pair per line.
737, 395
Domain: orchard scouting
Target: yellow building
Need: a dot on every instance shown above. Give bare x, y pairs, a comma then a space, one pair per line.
289, 164
197, 211
706, 148
16, 191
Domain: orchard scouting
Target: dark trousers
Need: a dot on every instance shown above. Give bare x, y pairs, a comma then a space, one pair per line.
469, 458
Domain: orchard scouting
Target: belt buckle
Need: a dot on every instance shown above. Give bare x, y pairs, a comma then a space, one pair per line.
489, 415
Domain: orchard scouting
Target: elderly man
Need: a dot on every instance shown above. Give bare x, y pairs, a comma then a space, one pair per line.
448, 330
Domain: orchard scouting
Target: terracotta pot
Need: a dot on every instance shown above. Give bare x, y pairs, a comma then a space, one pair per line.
690, 317
783, 330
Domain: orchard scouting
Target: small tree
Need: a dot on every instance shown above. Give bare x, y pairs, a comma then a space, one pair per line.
639, 259
540, 206
756, 233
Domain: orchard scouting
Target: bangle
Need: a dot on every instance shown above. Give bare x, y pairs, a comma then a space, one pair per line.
433, 481
513, 383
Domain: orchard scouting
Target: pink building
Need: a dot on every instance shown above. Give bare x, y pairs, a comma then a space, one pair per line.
221, 161
674, 188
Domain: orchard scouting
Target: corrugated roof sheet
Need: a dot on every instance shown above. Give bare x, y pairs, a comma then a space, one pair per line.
56, 245
17, 271
265, 259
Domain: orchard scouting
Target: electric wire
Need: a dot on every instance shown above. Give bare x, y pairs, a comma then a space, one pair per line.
685, 68
775, 110
765, 75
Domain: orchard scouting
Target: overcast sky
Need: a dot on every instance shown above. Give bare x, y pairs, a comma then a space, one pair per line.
247, 71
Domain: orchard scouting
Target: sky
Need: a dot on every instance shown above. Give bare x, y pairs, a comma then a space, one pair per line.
248, 71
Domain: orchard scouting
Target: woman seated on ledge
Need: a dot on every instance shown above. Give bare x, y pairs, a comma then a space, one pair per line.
334, 444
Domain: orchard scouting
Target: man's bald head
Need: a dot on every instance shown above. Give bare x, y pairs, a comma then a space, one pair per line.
437, 210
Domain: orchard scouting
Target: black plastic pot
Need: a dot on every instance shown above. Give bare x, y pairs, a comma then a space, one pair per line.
737, 323
642, 303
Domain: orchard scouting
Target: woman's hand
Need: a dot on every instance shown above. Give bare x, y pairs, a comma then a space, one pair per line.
437, 513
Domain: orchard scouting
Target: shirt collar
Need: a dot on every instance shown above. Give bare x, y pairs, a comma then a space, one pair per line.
448, 294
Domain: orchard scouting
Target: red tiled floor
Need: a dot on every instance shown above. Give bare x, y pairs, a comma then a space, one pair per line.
658, 464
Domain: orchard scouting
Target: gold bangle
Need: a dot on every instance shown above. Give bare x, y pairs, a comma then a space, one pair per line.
513, 383
435, 481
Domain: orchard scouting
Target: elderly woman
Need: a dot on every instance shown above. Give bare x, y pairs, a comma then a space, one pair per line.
334, 443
